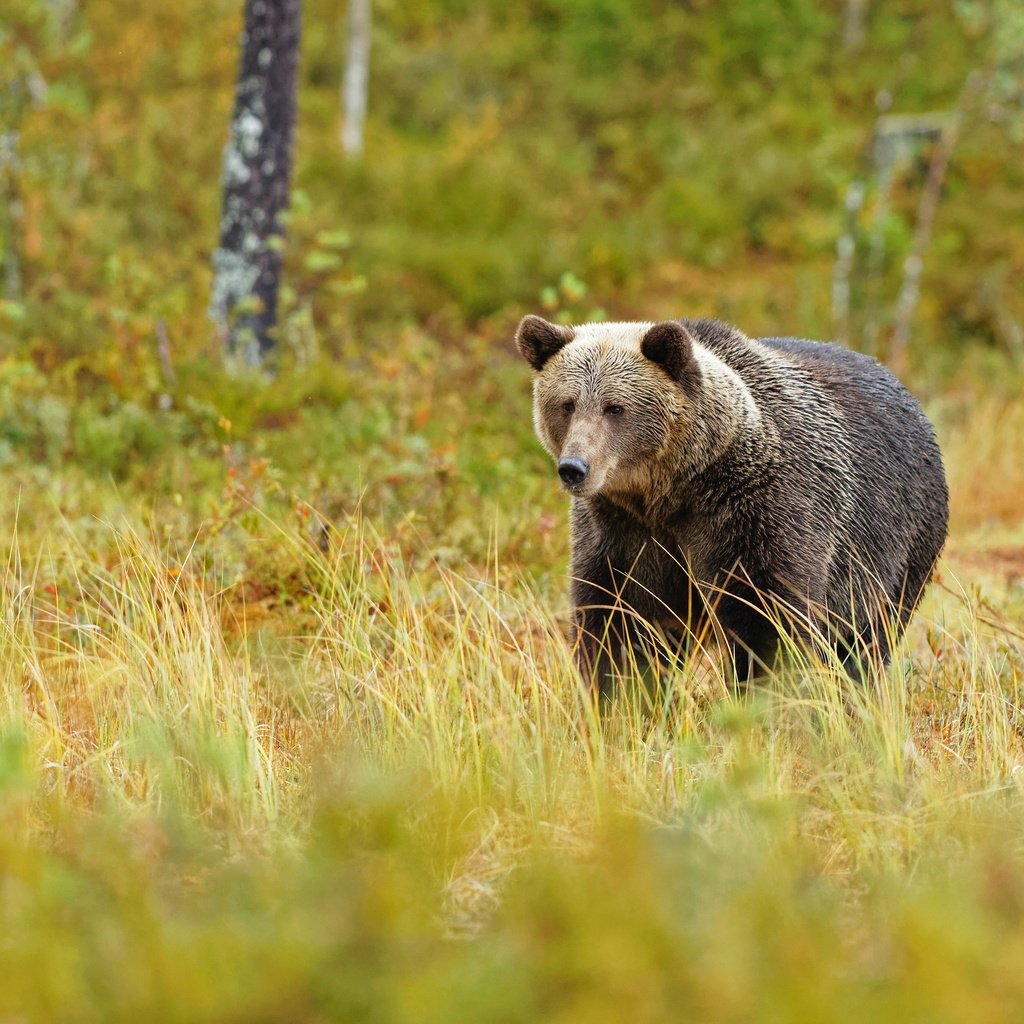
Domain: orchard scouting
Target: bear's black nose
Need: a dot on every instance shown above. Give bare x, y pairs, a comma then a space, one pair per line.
573, 472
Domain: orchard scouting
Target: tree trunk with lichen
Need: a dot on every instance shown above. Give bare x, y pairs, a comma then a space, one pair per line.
257, 176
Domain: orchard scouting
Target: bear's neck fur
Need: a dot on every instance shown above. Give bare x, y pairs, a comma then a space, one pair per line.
719, 420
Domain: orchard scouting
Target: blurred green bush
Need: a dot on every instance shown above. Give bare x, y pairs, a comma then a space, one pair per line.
674, 158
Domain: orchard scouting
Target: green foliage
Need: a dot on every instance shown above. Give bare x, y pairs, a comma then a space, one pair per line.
676, 159
108, 441
33, 420
288, 729
566, 302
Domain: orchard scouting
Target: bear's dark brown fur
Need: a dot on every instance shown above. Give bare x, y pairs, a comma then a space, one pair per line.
773, 482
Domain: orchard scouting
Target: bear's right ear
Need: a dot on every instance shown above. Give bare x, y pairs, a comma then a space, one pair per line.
539, 340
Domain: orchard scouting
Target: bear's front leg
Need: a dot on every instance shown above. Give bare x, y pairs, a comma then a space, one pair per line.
600, 636
613, 579
754, 619
608, 628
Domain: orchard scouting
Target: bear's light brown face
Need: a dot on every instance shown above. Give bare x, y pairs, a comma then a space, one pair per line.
607, 398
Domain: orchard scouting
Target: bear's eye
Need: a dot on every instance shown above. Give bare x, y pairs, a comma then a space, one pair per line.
613, 410
569, 407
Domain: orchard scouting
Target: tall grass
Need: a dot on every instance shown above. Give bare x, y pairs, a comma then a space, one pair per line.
127, 685
347, 781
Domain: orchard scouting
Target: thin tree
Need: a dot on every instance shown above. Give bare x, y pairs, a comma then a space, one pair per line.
256, 180
24, 46
913, 266
855, 14
355, 83
10, 195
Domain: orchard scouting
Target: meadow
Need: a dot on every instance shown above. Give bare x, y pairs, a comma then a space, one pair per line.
289, 730
260, 762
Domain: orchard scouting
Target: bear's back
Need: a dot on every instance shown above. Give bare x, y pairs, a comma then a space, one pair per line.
887, 427
873, 405
822, 397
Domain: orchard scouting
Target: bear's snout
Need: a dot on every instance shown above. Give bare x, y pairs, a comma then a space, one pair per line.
573, 472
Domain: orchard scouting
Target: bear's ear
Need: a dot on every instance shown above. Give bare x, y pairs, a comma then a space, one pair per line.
538, 340
670, 345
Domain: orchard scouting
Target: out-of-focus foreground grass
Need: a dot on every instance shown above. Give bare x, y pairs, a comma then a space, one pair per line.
285, 739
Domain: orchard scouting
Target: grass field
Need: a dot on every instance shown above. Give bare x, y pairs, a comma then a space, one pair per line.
290, 733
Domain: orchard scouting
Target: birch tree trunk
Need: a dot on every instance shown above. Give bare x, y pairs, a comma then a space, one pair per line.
256, 180
355, 84
913, 266
855, 13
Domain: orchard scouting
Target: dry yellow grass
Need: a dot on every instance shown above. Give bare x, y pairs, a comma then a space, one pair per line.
145, 695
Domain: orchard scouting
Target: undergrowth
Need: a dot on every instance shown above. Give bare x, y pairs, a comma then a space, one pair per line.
290, 731
371, 787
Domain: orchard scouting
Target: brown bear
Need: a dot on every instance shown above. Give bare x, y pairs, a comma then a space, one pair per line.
737, 487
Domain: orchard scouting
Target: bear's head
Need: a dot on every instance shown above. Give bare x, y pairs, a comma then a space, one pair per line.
609, 399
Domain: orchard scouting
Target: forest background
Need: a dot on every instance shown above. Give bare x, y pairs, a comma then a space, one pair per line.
289, 730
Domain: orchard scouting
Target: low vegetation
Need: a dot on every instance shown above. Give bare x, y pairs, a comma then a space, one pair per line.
288, 727
301, 741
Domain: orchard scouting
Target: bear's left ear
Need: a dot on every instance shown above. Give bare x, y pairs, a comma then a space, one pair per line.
539, 340
670, 345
